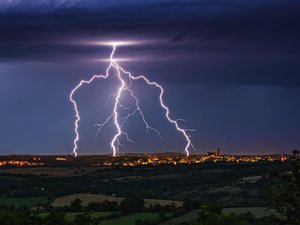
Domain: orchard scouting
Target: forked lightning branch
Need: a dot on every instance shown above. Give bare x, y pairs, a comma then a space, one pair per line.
126, 81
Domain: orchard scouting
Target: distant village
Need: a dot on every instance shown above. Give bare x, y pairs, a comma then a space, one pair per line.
136, 159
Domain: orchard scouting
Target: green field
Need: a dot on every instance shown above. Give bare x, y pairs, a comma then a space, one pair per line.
88, 198
12, 178
130, 219
188, 217
30, 201
257, 211
71, 215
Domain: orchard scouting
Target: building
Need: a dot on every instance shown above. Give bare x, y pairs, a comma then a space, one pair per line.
217, 153
296, 154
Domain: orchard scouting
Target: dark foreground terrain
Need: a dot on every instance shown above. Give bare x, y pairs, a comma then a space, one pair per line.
213, 192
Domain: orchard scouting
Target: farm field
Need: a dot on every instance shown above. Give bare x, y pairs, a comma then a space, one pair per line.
70, 215
188, 217
130, 219
50, 171
184, 218
259, 212
87, 198
115, 184
30, 201
12, 178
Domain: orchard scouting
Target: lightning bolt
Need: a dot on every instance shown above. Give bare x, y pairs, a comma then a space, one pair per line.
126, 80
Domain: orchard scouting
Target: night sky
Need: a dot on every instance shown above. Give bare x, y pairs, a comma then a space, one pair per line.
230, 68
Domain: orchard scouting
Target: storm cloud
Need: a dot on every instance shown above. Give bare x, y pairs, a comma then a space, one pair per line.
205, 33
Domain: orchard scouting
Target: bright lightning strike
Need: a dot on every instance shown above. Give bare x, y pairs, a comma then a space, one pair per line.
126, 80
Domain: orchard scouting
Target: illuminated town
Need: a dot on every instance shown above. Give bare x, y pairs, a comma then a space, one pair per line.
136, 159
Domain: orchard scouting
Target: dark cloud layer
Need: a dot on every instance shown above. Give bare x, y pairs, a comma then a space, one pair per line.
264, 33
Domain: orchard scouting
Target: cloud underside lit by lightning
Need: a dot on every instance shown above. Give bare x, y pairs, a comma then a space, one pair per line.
125, 80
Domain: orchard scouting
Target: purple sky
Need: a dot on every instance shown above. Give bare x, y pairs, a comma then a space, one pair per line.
230, 68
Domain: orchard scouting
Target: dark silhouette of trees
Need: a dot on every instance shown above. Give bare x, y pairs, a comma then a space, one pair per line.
212, 215
7, 218
84, 219
130, 205
76, 204
55, 217
103, 206
285, 197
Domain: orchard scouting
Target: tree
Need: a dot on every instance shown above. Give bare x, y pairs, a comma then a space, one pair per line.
76, 204
7, 218
212, 215
285, 197
209, 215
162, 216
130, 205
84, 219
55, 217
188, 205
145, 222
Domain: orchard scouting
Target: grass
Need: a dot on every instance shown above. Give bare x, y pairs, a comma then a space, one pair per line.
124, 220
257, 211
30, 201
12, 178
130, 219
71, 215
87, 198
188, 217
50, 171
